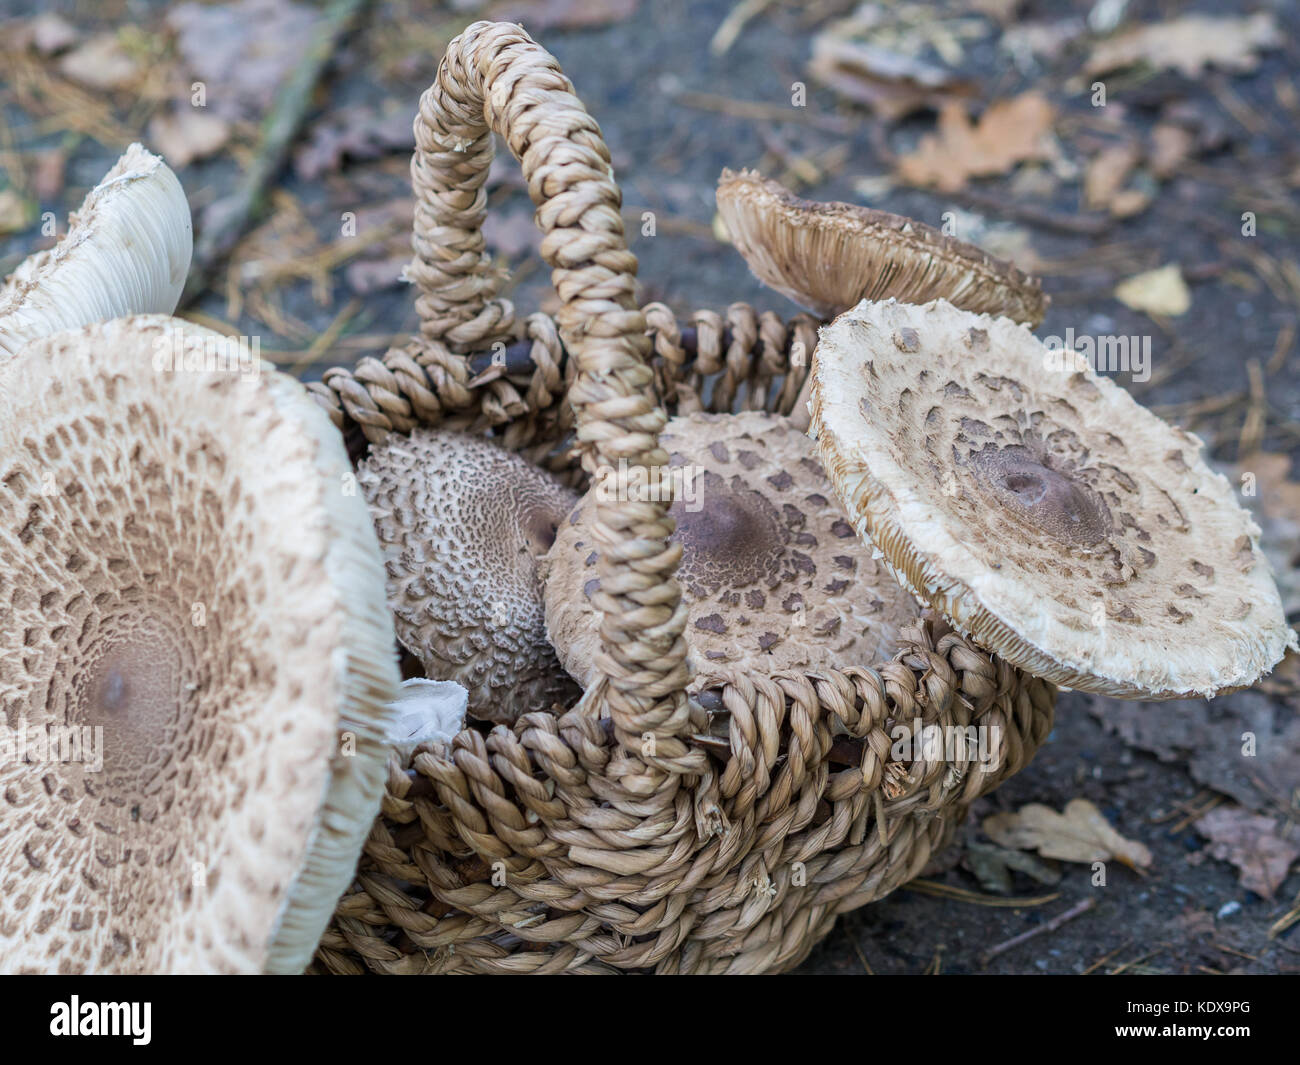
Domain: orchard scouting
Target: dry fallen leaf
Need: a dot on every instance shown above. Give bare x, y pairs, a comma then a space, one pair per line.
891, 84
241, 51
1107, 172
1128, 202
1171, 146
1079, 834
1274, 502
15, 212
47, 173
1251, 843
355, 132
1009, 132
49, 34
1189, 45
188, 134
1161, 291
993, 866
101, 63
1245, 744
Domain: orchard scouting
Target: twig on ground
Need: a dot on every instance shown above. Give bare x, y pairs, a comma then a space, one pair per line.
736, 20
1078, 909
861, 957
1106, 957
230, 216
1044, 218
944, 891
757, 111
1233, 950
1252, 427
1281, 349
1138, 961
1286, 920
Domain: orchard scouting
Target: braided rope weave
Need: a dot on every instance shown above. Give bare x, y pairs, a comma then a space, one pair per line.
644, 828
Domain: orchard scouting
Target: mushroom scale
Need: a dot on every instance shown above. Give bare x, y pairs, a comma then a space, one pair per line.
772, 573
463, 524
190, 597
1055, 520
828, 256
127, 251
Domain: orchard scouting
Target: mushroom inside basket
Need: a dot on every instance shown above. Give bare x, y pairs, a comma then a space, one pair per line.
761, 626
675, 666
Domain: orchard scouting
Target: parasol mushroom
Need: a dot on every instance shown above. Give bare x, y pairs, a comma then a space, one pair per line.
462, 523
1053, 519
188, 590
828, 256
127, 251
772, 573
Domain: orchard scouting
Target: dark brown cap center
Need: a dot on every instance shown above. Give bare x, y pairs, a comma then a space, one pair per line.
1054, 501
132, 688
731, 536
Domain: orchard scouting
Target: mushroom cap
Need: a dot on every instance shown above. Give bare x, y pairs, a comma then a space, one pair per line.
182, 566
772, 574
828, 256
1054, 520
127, 251
462, 524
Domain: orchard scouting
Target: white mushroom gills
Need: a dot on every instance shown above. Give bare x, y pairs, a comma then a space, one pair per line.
828, 256
127, 251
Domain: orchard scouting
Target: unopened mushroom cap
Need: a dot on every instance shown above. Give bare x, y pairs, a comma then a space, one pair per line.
828, 256
127, 251
1054, 520
463, 523
190, 590
772, 573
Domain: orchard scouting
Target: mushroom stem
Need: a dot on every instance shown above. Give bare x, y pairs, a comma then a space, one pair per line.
127, 251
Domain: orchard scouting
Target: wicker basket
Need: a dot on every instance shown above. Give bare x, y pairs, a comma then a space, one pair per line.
623, 834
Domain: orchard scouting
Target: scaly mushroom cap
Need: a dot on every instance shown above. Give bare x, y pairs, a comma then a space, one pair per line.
184, 575
828, 256
772, 573
127, 251
463, 523
1053, 519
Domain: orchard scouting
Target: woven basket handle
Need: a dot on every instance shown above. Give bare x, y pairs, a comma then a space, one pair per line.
494, 77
